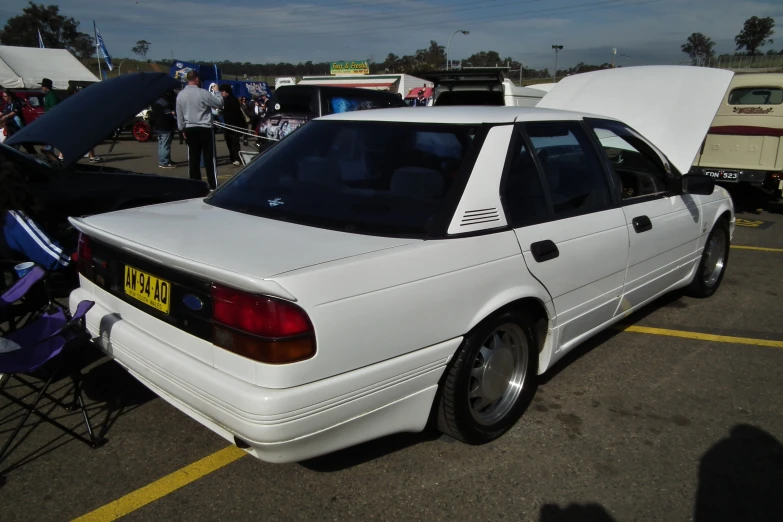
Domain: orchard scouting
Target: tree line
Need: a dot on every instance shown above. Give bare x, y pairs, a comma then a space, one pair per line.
431, 58
755, 33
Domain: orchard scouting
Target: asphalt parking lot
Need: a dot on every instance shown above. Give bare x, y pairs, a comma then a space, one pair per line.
675, 415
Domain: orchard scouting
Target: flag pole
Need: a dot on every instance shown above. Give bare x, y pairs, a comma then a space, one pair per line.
97, 50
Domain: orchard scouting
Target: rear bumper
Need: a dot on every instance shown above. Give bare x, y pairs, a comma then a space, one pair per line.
754, 177
278, 425
769, 181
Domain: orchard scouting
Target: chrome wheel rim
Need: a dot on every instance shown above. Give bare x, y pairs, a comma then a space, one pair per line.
714, 258
498, 374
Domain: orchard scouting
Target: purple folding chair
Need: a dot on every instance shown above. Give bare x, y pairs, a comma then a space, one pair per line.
40, 341
13, 306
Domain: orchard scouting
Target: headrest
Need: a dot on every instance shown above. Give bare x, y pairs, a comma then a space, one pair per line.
417, 182
319, 171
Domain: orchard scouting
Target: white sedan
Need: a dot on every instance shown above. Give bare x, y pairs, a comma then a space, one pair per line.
378, 270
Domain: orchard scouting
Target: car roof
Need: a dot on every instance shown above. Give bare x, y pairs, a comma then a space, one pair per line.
458, 115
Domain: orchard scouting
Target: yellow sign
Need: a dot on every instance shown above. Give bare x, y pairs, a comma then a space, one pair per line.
352, 67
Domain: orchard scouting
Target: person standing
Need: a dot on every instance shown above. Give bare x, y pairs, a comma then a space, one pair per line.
247, 112
233, 117
50, 98
194, 118
13, 117
50, 101
164, 123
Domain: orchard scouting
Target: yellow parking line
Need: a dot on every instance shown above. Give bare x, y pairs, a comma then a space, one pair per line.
162, 487
763, 249
182, 477
702, 336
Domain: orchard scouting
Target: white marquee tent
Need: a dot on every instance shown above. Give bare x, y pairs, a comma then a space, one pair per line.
25, 67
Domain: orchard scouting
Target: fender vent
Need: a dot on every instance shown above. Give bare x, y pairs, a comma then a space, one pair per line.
484, 215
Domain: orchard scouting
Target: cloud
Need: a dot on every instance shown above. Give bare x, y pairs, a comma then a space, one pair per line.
651, 31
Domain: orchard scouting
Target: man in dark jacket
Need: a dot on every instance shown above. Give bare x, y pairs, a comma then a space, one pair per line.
163, 123
233, 117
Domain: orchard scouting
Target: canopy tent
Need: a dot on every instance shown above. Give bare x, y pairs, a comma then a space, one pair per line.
25, 67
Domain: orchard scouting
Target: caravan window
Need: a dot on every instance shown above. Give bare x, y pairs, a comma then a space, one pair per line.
756, 96
293, 100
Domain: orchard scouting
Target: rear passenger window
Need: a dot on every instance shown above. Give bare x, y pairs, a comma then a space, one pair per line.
756, 96
636, 165
523, 196
572, 172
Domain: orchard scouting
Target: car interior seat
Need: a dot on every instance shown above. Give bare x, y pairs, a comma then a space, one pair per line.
417, 182
319, 171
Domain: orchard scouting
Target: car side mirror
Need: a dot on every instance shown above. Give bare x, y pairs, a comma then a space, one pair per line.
698, 184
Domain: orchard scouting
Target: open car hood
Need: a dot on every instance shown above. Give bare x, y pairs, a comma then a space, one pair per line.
672, 106
82, 121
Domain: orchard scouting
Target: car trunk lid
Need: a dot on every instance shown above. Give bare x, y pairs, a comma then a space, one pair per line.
226, 247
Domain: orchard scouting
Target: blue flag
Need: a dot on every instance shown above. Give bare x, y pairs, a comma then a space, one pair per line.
102, 47
40, 40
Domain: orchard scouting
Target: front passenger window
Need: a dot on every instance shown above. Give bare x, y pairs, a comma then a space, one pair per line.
637, 166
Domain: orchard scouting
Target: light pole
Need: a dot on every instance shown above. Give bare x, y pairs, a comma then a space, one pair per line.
557, 49
119, 69
463, 31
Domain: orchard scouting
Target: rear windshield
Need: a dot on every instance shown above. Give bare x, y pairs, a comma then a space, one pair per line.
494, 98
756, 96
367, 177
293, 100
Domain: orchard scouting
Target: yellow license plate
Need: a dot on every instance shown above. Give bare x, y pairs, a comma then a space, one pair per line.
148, 289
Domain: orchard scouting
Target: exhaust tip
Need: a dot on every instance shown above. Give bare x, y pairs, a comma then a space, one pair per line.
241, 444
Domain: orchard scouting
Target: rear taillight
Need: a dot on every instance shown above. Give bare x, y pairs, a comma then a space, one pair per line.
260, 328
85, 262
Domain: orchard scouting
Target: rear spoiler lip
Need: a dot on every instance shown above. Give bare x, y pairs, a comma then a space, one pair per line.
189, 266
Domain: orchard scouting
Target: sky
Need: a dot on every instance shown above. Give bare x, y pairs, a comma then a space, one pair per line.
259, 31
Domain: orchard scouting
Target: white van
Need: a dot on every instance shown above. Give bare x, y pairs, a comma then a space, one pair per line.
480, 87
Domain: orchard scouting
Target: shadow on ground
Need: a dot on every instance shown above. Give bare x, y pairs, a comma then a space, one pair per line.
108, 390
371, 450
740, 478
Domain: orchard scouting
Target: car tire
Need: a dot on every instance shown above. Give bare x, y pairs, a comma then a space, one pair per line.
142, 132
713, 262
491, 380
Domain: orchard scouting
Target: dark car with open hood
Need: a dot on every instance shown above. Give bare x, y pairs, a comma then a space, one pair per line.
74, 127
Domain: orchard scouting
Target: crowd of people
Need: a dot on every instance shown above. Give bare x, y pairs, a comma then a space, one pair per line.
193, 112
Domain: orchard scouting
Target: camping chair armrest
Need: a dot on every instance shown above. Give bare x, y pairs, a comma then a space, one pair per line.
21, 287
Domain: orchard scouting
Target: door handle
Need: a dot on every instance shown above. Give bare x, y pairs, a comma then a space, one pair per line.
544, 250
642, 224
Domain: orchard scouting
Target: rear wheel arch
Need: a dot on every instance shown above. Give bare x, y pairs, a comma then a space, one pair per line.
455, 411
534, 306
